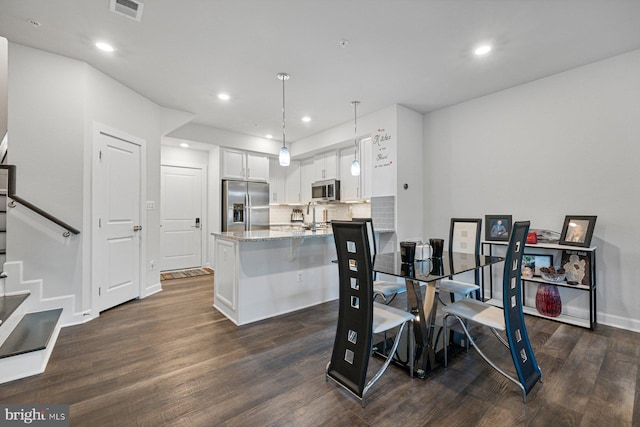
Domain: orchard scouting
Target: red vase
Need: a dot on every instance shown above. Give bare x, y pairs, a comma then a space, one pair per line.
548, 301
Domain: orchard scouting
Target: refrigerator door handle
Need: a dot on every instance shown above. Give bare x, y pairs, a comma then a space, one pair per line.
247, 212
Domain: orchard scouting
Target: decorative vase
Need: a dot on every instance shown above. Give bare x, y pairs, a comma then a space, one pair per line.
548, 301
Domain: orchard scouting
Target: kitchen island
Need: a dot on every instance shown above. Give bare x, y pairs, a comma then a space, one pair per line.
261, 274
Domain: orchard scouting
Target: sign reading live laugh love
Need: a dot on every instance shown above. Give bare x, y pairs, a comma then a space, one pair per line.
34, 415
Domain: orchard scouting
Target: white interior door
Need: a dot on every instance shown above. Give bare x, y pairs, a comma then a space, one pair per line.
118, 204
181, 218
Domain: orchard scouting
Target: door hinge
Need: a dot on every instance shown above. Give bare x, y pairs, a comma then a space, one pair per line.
100, 155
99, 291
99, 222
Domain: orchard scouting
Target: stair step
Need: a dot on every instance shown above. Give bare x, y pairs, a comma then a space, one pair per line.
31, 334
8, 305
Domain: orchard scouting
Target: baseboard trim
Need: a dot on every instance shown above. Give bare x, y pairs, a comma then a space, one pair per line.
619, 322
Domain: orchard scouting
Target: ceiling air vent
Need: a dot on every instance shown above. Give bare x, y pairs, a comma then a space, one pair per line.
129, 8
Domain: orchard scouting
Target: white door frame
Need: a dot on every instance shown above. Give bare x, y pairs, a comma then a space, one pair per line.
98, 129
204, 220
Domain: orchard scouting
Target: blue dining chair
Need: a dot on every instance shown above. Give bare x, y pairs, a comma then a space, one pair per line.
509, 319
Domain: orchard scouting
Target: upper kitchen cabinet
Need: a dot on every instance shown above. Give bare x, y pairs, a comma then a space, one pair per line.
307, 177
293, 192
243, 165
349, 184
277, 178
326, 165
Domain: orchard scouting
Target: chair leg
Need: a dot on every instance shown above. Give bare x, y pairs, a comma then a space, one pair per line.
486, 359
386, 363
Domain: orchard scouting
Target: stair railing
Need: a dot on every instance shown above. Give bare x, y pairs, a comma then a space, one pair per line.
11, 193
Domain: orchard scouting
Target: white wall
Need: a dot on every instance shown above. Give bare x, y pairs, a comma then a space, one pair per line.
565, 144
46, 123
4, 56
53, 103
410, 167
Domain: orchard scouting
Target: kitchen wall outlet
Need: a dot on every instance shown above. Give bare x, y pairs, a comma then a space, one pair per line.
299, 276
151, 205
152, 264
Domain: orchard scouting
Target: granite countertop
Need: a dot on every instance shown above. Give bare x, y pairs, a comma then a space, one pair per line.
280, 234
264, 235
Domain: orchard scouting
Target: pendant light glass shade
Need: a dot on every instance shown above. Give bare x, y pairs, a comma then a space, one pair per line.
285, 157
355, 165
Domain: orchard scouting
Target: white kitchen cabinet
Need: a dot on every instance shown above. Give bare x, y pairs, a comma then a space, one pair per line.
307, 177
326, 165
349, 184
257, 167
238, 164
292, 182
277, 176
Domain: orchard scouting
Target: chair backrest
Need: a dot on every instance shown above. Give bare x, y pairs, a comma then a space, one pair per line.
464, 235
352, 345
523, 358
370, 233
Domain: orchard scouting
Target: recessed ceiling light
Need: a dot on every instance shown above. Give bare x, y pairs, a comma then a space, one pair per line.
268, 136
105, 47
306, 119
184, 145
482, 49
223, 96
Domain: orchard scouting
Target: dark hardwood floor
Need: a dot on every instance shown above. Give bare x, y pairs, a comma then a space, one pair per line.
173, 360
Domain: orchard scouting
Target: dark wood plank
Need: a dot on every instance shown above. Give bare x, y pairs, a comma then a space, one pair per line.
172, 359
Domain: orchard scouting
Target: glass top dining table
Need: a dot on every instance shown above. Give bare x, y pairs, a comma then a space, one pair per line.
424, 307
432, 269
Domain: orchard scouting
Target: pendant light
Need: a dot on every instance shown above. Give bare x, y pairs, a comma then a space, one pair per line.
285, 157
355, 165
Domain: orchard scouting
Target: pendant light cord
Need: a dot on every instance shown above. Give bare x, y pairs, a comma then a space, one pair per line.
284, 144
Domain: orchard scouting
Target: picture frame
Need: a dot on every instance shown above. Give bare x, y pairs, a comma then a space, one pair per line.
536, 262
497, 227
578, 230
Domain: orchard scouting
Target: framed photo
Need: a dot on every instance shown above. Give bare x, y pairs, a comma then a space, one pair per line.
497, 227
577, 230
536, 261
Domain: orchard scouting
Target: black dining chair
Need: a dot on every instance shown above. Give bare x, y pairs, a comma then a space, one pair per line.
464, 237
509, 319
382, 289
359, 317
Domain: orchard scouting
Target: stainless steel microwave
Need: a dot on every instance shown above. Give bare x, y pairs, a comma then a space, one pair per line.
326, 191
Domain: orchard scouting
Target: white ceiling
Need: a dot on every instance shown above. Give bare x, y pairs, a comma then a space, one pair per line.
409, 52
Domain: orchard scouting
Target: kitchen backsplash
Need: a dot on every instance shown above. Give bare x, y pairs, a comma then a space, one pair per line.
381, 209
282, 214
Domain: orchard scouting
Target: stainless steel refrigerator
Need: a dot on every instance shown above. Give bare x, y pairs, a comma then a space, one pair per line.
245, 205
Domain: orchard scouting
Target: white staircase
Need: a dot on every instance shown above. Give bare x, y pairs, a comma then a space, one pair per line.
26, 339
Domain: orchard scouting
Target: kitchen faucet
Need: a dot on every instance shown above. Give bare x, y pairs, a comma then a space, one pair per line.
313, 224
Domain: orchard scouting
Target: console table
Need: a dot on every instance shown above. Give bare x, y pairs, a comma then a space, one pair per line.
579, 300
